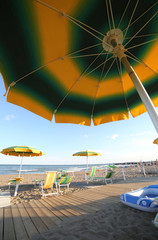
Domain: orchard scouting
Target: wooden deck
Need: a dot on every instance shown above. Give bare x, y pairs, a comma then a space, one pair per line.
22, 221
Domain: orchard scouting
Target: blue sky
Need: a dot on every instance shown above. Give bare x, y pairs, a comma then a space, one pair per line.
122, 141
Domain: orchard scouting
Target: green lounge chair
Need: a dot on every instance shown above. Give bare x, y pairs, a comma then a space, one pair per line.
106, 179
64, 181
16, 182
91, 175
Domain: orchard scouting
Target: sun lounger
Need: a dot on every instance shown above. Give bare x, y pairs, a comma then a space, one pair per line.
64, 181
49, 183
106, 179
91, 175
16, 182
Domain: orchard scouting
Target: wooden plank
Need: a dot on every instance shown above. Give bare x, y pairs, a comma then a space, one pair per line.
29, 226
41, 213
88, 205
80, 203
1, 223
63, 206
66, 201
20, 230
48, 213
9, 233
55, 210
41, 227
59, 209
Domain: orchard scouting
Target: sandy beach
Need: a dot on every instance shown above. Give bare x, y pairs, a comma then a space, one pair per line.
114, 221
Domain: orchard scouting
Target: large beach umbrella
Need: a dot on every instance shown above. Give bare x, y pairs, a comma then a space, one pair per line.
23, 151
73, 59
87, 154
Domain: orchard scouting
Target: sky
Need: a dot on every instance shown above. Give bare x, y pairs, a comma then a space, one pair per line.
121, 141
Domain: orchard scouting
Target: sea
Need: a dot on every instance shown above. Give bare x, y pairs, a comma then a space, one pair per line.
6, 169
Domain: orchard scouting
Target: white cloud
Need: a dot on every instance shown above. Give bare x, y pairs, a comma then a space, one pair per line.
114, 136
85, 136
9, 117
141, 133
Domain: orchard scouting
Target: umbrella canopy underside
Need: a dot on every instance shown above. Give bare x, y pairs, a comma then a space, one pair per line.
53, 62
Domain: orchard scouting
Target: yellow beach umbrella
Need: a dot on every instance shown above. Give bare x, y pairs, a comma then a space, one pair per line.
87, 154
155, 141
23, 151
81, 60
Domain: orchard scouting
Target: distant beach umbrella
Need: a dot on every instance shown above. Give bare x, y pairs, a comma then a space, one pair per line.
87, 154
155, 141
23, 151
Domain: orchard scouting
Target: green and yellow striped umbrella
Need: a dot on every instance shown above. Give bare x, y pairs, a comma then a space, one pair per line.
23, 151
72, 58
87, 154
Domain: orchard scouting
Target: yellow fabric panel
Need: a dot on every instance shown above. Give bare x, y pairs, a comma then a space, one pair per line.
50, 179
110, 118
68, 118
55, 44
24, 101
138, 110
68, 75
151, 58
110, 87
141, 108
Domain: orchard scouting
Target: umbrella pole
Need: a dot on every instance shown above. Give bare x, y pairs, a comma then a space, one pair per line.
142, 92
20, 166
119, 51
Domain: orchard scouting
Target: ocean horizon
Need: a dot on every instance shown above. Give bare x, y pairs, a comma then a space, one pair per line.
6, 169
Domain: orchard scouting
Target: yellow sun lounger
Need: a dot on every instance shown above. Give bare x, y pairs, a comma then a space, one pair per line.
49, 183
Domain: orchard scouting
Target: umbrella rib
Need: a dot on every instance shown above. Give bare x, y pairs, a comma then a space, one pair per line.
145, 35
98, 86
123, 13
142, 15
98, 66
140, 61
75, 21
88, 55
135, 7
142, 44
107, 9
141, 28
83, 49
100, 82
112, 17
85, 25
119, 68
76, 83
79, 25
37, 69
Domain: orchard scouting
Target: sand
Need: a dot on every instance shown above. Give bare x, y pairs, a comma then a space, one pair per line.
113, 222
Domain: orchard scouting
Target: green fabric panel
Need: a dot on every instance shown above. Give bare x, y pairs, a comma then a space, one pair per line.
93, 172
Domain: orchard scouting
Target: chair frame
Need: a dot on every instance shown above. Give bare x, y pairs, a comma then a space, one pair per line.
59, 184
42, 183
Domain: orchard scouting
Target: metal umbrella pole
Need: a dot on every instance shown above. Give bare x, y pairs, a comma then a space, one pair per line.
112, 42
21, 165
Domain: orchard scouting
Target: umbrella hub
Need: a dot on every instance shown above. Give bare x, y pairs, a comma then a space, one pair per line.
112, 42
